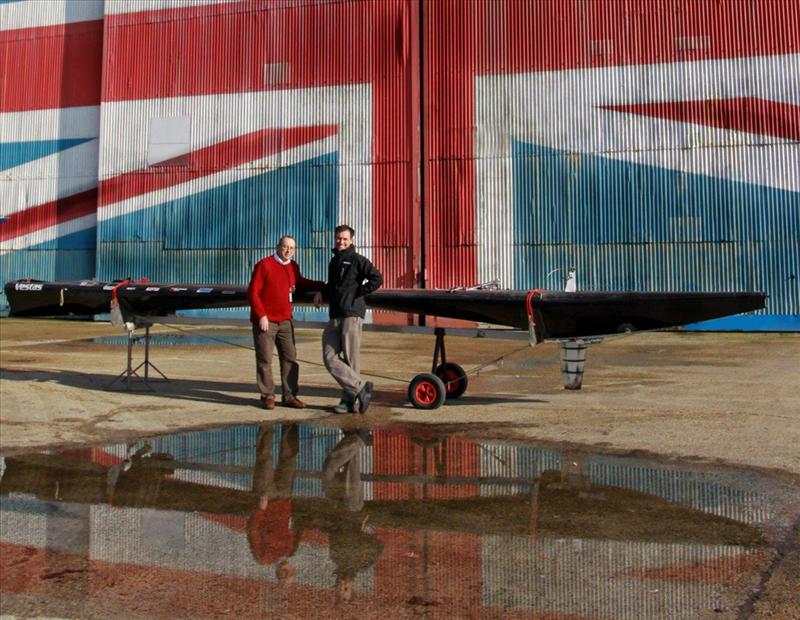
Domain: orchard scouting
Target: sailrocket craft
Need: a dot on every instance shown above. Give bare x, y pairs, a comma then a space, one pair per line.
547, 315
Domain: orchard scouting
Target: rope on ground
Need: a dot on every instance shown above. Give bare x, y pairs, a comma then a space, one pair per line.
480, 367
473, 371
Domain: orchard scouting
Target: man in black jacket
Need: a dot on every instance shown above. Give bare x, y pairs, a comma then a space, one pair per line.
350, 277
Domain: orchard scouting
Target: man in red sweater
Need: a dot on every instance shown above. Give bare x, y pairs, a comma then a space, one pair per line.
275, 279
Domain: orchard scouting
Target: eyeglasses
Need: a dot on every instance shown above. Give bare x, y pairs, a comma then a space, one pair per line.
287, 247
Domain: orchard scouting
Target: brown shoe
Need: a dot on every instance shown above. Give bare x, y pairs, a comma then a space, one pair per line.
268, 402
294, 403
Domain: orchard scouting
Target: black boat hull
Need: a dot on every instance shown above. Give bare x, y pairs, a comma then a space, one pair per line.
555, 314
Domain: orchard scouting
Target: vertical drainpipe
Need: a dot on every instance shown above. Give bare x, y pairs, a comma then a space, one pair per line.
422, 115
104, 77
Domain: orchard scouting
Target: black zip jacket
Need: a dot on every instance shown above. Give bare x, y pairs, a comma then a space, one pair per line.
350, 277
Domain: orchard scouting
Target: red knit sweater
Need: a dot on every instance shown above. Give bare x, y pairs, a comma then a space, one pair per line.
270, 287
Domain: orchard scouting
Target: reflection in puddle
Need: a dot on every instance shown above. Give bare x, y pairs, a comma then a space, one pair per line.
256, 521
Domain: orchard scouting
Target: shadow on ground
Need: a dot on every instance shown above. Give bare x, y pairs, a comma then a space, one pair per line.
211, 391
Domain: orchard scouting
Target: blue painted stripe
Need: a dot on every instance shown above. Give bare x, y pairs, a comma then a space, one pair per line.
81, 240
750, 323
217, 235
562, 197
301, 314
17, 153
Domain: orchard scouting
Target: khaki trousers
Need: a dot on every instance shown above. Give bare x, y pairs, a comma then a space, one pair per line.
280, 334
341, 352
341, 473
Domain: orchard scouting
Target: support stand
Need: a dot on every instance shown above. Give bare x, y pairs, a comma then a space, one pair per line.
130, 372
438, 349
573, 359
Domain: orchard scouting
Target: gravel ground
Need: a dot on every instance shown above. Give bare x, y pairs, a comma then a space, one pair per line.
716, 399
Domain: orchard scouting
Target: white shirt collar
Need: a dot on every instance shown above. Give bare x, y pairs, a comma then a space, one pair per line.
280, 260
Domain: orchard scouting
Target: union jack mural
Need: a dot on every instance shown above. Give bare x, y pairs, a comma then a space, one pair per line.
650, 144
49, 122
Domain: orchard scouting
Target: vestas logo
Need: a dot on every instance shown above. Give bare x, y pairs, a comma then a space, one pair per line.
24, 286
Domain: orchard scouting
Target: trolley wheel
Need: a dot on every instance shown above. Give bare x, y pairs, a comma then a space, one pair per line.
454, 379
426, 391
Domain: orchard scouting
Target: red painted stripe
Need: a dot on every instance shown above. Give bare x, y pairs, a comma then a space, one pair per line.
759, 116
224, 49
237, 523
51, 66
395, 122
209, 160
49, 214
558, 34
452, 41
159, 53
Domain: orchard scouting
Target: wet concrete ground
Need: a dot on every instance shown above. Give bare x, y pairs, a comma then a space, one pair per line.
301, 520
666, 488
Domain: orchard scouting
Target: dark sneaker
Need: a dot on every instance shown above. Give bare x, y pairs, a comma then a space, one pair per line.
294, 403
364, 396
268, 402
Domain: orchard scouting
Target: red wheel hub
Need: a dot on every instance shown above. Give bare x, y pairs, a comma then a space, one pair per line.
451, 380
425, 392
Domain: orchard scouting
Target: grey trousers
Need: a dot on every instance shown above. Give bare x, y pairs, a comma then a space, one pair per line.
281, 335
341, 351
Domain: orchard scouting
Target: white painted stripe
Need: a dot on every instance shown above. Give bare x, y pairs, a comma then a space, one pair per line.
48, 234
567, 114
765, 165
216, 118
52, 124
115, 7
38, 13
46, 179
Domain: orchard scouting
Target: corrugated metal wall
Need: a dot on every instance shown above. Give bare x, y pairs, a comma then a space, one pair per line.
50, 55
651, 145
226, 126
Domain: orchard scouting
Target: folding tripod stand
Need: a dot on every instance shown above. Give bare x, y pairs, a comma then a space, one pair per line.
127, 375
